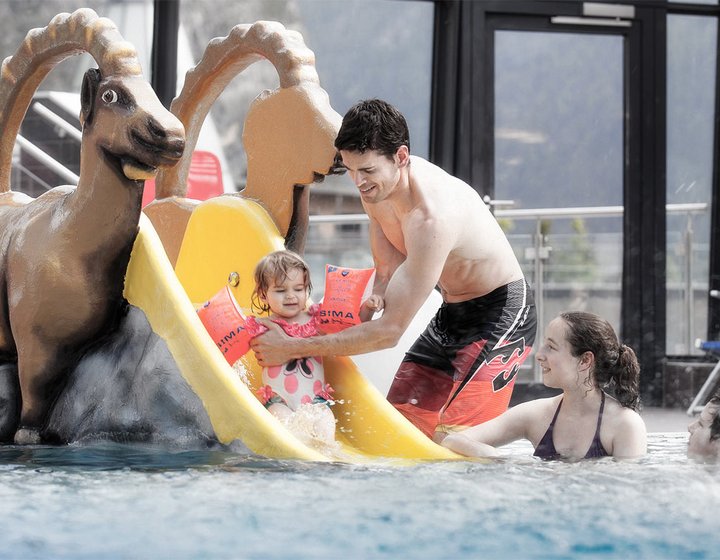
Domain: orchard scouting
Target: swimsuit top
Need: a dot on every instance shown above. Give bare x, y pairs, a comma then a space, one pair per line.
298, 381
546, 448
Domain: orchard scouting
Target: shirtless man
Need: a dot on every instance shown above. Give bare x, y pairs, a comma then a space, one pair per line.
428, 229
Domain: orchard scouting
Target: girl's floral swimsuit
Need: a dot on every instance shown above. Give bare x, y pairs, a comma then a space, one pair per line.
298, 381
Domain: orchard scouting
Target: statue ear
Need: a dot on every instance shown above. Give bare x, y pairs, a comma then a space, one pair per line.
90, 84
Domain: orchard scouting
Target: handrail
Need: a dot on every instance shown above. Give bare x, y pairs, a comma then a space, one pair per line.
338, 218
39, 180
594, 211
535, 213
44, 158
57, 120
540, 249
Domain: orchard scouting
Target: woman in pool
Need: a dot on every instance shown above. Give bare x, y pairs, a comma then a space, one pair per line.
582, 356
704, 441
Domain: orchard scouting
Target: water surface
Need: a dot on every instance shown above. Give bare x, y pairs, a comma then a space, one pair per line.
120, 501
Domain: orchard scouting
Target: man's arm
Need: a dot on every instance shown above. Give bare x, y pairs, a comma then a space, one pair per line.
428, 243
386, 257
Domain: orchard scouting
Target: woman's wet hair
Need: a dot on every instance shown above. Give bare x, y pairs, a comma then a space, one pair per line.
373, 124
617, 370
274, 269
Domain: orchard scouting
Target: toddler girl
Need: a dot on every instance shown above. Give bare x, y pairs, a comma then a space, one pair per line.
294, 392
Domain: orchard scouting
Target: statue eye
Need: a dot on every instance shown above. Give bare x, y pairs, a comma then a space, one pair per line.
109, 96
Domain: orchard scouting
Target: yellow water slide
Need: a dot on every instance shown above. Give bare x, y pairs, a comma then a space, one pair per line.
225, 235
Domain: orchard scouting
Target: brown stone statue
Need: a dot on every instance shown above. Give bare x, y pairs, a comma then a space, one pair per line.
63, 256
288, 134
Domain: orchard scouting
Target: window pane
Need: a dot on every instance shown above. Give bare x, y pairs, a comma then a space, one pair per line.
21, 17
375, 48
363, 48
558, 119
691, 60
58, 95
559, 114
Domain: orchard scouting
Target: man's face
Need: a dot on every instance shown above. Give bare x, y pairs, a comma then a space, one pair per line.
700, 445
375, 175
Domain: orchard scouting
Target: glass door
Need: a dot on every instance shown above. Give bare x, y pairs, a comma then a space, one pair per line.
559, 158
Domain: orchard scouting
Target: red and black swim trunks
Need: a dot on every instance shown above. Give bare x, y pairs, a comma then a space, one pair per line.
461, 371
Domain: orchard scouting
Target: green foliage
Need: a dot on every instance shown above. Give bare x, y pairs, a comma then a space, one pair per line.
506, 224
577, 262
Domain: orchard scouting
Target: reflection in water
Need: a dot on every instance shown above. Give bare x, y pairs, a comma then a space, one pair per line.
115, 501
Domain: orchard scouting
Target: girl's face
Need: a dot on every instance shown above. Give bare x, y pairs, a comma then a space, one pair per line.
560, 368
289, 298
700, 445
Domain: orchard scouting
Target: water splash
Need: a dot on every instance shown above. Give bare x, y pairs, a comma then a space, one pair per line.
242, 372
314, 425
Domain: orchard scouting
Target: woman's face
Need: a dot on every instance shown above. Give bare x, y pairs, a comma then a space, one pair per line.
560, 368
700, 445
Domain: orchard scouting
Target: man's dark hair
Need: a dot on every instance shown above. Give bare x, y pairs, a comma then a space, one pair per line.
373, 125
715, 425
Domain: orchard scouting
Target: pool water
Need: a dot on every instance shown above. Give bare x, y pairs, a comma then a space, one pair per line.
128, 501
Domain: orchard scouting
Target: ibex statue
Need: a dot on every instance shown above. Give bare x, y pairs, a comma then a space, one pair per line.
288, 136
63, 256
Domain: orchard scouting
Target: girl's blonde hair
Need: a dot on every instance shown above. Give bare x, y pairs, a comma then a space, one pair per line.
274, 269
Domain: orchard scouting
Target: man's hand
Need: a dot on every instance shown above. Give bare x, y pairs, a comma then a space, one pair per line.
271, 347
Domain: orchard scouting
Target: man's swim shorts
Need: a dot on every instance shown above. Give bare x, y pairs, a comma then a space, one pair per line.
461, 371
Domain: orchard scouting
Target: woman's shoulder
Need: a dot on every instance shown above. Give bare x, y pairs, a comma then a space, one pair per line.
537, 409
624, 431
544, 402
621, 417
532, 418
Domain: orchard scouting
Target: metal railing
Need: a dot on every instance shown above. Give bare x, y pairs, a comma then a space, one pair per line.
339, 244
63, 129
537, 257
47, 161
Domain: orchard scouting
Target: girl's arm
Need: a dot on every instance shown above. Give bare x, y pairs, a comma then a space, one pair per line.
370, 306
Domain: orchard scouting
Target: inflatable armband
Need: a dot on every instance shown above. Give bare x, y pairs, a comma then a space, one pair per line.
225, 322
345, 290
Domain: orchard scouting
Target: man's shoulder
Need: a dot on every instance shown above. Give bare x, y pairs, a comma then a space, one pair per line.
422, 170
437, 184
